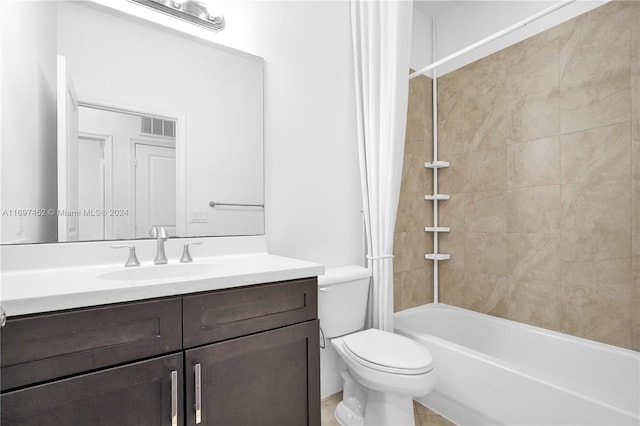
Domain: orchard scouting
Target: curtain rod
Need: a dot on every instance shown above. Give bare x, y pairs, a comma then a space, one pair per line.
491, 38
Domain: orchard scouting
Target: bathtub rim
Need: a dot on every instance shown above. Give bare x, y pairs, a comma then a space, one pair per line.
540, 330
519, 369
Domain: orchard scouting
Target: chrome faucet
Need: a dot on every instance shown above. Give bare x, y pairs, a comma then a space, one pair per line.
132, 260
161, 234
186, 255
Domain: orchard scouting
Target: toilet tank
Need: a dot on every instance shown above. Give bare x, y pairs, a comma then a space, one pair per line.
342, 299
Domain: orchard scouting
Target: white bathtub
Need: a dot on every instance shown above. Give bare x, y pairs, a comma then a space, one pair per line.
495, 371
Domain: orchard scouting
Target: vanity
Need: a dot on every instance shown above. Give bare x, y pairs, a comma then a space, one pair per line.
235, 344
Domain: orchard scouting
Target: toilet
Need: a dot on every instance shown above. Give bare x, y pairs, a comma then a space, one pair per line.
384, 371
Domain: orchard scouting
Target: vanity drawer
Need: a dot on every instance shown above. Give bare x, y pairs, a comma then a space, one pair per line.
44, 347
222, 315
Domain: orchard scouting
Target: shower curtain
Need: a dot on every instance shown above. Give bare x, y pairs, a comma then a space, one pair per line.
381, 34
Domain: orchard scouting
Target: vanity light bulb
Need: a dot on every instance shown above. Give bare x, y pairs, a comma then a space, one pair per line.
178, 3
215, 8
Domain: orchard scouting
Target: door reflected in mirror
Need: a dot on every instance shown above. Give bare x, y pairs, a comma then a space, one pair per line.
124, 205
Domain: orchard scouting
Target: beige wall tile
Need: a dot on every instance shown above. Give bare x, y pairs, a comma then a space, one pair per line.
635, 147
415, 129
412, 288
485, 211
534, 210
597, 207
534, 116
486, 253
452, 243
428, 122
451, 142
599, 46
410, 243
451, 212
409, 250
486, 293
485, 124
532, 66
414, 175
603, 100
417, 97
595, 260
597, 154
598, 313
535, 302
413, 212
635, 196
484, 104
486, 170
534, 257
398, 278
484, 78
534, 163
451, 286
451, 180
635, 63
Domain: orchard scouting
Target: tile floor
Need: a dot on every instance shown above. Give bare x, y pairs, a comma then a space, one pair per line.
424, 416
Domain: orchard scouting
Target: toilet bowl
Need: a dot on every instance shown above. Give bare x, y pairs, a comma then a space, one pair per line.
383, 371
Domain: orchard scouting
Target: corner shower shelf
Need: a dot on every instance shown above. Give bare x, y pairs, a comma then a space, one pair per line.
437, 229
437, 256
436, 164
436, 197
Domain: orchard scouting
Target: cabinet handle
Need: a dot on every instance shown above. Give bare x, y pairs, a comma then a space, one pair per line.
198, 394
174, 398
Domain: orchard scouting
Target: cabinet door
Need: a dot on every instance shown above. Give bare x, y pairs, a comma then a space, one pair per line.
227, 314
138, 394
269, 378
45, 347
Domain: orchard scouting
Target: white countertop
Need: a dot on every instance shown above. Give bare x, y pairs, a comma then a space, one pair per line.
42, 290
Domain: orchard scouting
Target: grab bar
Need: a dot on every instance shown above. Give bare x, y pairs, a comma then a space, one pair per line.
214, 204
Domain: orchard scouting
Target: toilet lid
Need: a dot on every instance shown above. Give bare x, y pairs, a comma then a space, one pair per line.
389, 352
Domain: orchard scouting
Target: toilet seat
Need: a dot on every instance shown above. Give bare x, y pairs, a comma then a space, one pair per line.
388, 352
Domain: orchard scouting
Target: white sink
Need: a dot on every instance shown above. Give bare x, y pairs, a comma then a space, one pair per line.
158, 272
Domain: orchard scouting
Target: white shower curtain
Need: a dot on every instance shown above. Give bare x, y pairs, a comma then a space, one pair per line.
381, 32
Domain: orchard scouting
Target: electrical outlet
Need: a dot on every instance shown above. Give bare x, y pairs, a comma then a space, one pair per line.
198, 216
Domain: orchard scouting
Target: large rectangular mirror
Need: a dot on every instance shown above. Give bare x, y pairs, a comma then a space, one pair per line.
112, 124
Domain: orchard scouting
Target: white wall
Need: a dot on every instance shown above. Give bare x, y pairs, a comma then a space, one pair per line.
28, 117
421, 40
312, 181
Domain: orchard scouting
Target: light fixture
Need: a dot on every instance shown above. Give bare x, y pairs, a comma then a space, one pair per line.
205, 13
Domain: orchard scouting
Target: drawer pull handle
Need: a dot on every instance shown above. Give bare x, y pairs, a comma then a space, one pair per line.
174, 398
198, 394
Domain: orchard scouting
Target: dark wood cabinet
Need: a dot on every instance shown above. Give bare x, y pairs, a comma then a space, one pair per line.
253, 352
137, 394
262, 379
221, 315
37, 348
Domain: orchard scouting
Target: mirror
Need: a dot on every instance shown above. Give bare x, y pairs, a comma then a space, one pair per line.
112, 124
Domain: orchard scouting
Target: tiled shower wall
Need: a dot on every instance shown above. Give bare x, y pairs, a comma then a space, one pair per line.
412, 273
544, 143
